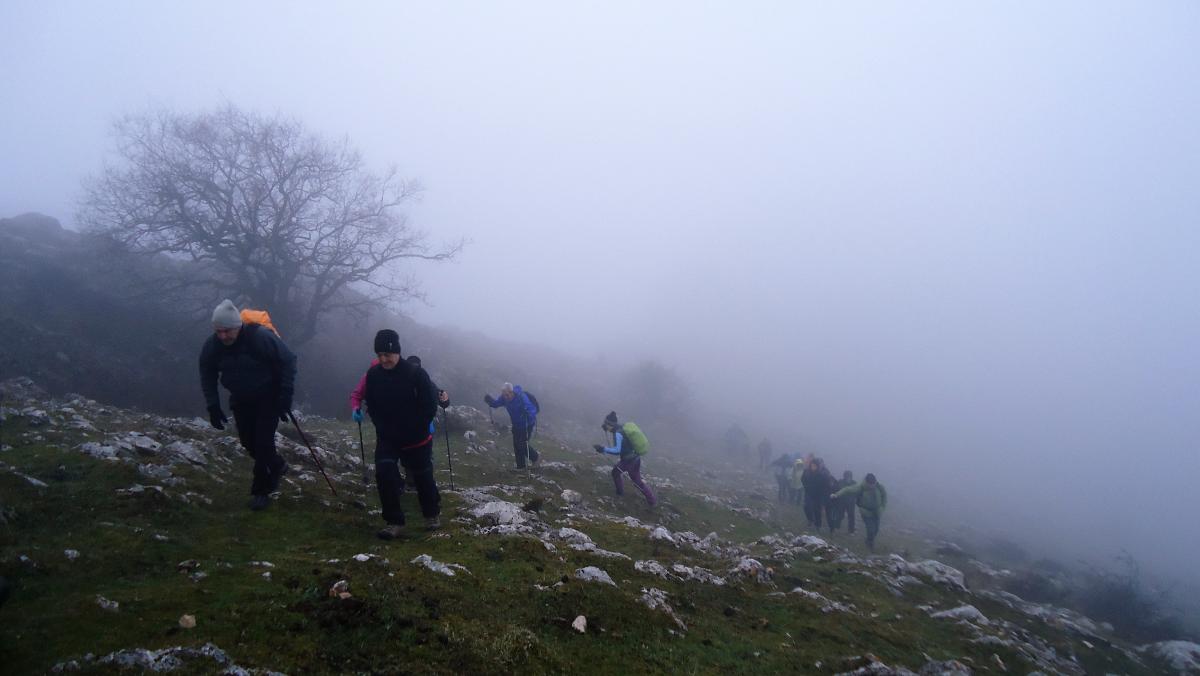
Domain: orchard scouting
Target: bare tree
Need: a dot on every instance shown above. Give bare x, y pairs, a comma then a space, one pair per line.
293, 222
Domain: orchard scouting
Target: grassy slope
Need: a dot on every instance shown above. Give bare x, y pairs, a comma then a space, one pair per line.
403, 618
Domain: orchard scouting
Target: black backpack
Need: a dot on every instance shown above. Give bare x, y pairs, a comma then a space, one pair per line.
537, 407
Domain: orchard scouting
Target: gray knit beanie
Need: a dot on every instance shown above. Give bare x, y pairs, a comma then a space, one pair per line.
226, 316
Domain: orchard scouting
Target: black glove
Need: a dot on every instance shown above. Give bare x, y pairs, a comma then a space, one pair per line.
599, 448
285, 408
217, 417
487, 399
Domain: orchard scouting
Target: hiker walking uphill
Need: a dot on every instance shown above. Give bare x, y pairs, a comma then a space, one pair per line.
795, 486
783, 476
259, 372
764, 454
401, 401
522, 409
871, 499
843, 507
818, 484
630, 444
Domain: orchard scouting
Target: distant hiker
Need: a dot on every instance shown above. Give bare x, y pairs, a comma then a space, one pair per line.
817, 486
260, 373
843, 508
764, 454
783, 471
401, 401
871, 499
797, 486
522, 410
630, 444
737, 444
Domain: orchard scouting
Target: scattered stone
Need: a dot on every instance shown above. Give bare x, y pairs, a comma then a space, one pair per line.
501, 513
751, 569
184, 566
580, 624
1183, 656
594, 574
111, 606
261, 564
656, 599
934, 571
662, 534
340, 589
437, 566
572, 497
652, 567
187, 451
698, 574
71, 554
967, 613
187, 622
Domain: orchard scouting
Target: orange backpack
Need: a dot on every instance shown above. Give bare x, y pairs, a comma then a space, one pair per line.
259, 317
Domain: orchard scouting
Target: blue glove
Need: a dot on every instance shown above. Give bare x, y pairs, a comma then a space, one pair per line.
357, 415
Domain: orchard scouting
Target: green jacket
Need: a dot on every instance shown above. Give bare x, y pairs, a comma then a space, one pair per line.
871, 502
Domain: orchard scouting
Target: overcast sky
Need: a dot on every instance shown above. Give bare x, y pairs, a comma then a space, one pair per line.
955, 241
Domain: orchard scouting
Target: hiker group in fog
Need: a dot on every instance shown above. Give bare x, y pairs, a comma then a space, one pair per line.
805, 482
247, 356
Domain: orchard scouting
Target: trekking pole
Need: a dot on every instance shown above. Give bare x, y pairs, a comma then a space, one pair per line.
314, 453
446, 430
363, 454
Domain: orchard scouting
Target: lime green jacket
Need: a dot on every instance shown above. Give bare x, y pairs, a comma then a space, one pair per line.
871, 501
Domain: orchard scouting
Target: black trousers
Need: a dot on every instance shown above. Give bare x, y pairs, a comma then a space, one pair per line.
256, 424
418, 465
521, 445
814, 505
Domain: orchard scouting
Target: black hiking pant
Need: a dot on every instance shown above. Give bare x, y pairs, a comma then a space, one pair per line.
256, 424
814, 505
784, 489
418, 465
872, 525
848, 509
521, 445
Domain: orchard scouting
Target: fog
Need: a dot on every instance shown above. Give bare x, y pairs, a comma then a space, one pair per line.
953, 244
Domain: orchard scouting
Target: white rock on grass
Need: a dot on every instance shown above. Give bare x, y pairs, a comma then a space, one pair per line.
1183, 656
594, 574
106, 604
662, 534
71, 554
751, 569
572, 497
933, 571
656, 599
340, 589
572, 535
187, 451
968, 613
437, 566
652, 567
698, 574
500, 513
580, 624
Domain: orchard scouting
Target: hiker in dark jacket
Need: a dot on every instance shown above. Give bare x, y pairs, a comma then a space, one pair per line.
818, 484
523, 413
842, 508
783, 476
259, 372
401, 401
631, 462
871, 499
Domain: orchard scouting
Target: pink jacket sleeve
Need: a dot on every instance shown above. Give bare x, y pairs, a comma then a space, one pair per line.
360, 390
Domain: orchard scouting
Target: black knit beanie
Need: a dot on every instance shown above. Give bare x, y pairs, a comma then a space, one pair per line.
870, 478
611, 419
387, 340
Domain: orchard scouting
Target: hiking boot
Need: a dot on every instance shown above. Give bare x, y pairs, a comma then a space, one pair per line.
277, 477
259, 502
391, 532
432, 523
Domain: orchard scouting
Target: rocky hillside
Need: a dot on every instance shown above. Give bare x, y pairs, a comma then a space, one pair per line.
125, 543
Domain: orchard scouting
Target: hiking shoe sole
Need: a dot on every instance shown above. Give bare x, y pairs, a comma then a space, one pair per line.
391, 533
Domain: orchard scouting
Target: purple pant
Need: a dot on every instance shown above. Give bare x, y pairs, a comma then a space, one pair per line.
633, 466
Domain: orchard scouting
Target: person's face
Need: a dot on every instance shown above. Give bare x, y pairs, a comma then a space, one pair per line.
227, 336
507, 395
812, 466
388, 360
